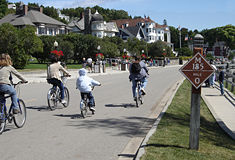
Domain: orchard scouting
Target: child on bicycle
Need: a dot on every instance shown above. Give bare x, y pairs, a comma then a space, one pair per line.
6, 69
84, 84
54, 75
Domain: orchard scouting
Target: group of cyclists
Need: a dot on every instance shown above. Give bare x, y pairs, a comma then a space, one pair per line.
138, 70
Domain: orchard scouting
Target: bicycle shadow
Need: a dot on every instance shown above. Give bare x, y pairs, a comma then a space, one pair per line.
124, 105
39, 108
71, 116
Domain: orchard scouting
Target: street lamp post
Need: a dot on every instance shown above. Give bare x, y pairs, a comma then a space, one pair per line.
55, 44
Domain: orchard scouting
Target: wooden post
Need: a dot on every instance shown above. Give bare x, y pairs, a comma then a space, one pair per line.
195, 118
195, 101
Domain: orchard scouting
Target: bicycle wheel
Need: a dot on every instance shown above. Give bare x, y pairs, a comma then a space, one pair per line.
20, 118
2, 120
137, 100
66, 97
84, 109
52, 99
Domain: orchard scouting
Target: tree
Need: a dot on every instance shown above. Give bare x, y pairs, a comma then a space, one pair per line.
30, 41
10, 43
68, 50
184, 51
3, 8
157, 49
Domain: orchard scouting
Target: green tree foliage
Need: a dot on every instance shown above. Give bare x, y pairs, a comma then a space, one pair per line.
30, 41
184, 51
68, 50
51, 11
15, 43
108, 14
109, 49
3, 8
48, 44
225, 33
157, 49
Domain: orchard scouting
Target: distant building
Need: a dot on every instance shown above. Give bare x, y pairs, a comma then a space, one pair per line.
44, 24
218, 50
62, 16
93, 24
11, 6
150, 31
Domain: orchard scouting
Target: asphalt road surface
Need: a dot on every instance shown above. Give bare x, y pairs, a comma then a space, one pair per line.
63, 135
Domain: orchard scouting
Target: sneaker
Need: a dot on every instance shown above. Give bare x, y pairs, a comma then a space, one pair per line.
143, 91
63, 101
16, 111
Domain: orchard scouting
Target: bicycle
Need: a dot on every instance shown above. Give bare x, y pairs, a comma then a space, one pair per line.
139, 97
84, 105
53, 95
19, 119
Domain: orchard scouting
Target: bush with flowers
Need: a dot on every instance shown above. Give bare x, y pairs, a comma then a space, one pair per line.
99, 56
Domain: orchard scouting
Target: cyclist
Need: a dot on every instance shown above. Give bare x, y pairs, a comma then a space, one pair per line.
54, 75
138, 70
84, 84
6, 69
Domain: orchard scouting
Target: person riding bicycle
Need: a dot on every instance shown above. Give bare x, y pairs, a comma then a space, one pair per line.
138, 70
6, 69
84, 84
54, 75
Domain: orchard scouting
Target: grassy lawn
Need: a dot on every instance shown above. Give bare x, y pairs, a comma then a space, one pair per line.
38, 66
230, 88
171, 141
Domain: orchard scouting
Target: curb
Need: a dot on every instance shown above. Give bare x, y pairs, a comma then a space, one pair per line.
141, 149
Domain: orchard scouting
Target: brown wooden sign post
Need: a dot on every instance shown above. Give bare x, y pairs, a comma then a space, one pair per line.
197, 71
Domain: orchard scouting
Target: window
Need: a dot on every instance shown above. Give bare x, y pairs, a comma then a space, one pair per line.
50, 31
41, 30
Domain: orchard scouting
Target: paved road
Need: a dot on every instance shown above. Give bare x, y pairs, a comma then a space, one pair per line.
63, 134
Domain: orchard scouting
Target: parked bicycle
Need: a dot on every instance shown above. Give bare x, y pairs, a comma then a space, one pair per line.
53, 95
85, 105
19, 119
139, 95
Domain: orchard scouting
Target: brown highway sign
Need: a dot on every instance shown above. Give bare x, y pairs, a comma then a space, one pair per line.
197, 70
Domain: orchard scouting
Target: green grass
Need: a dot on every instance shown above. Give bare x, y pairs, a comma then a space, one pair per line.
171, 141
38, 66
230, 88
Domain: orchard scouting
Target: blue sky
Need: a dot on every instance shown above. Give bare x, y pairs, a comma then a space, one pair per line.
191, 14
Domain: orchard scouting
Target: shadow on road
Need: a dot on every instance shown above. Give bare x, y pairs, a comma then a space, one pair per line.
125, 105
39, 108
124, 126
72, 116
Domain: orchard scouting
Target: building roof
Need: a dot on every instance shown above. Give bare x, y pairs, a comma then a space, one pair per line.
97, 17
127, 32
111, 27
77, 23
31, 18
38, 17
134, 22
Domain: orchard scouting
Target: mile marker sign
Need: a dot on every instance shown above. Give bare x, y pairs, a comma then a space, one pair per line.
197, 70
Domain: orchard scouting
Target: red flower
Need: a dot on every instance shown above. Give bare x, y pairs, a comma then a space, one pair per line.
58, 53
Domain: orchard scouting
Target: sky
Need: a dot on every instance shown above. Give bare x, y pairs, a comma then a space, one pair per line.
191, 14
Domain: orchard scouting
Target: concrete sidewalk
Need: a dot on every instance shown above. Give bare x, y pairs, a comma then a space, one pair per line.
221, 107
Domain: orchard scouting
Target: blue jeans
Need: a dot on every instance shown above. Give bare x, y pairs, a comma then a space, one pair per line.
56, 82
144, 82
8, 89
90, 97
221, 87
